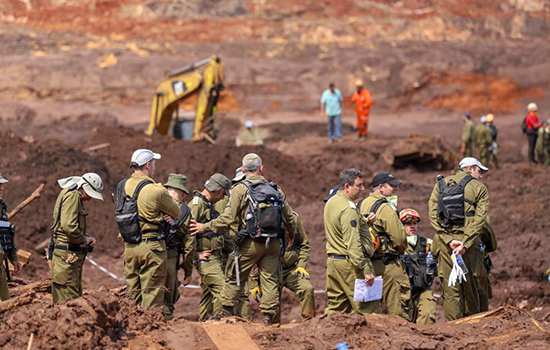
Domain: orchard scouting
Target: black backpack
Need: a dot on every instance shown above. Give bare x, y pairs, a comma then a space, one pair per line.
126, 212
450, 201
173, 229
264, 216
524, 125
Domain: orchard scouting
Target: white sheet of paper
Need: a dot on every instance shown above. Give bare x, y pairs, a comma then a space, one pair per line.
364, 293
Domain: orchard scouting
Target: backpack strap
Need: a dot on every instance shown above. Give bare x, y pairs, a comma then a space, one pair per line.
185, 212
463, 184
134, 198
421, 245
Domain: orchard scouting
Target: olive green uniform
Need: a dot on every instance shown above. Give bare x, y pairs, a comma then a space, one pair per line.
462, 299
251, 252
483, 140
211, 269
145, 262
298, 256
181, 244
396, 288
468, 138
12, 256
489, 240
70, 236
423, 302
542, 146
242, 308
348, 249
494, 151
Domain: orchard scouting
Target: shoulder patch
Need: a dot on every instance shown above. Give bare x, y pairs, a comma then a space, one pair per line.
353, 223
352, 205
195, 201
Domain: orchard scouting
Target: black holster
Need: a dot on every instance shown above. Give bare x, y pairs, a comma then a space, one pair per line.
488, 263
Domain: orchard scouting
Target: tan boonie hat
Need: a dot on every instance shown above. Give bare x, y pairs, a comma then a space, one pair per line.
177, 181
92, 185
218, 182
3, 180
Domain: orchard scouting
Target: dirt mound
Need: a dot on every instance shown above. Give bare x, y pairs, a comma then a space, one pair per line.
503, 328
100, 319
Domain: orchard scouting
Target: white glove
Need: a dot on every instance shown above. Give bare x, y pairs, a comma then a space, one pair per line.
456, 273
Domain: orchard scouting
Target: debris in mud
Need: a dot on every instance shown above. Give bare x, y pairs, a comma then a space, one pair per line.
505, 327
421, 152
100, 319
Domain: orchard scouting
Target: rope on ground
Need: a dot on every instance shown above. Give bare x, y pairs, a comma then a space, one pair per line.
190, 286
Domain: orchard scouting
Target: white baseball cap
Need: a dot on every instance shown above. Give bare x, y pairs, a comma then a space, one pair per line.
3, 180
144, 156
470, 161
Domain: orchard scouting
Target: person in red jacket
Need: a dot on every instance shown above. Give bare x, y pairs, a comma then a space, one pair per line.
533, 123
363, 101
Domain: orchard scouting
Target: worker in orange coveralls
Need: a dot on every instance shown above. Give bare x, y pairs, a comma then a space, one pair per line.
363, 101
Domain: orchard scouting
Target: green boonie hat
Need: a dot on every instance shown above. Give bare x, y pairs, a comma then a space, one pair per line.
3, 180
218, 182
177, 181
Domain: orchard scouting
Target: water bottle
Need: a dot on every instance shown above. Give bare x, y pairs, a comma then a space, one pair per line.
461, 263
342, 346
481, 248
248, 215
430, 264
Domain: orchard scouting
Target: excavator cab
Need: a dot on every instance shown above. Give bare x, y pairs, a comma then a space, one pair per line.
181, 84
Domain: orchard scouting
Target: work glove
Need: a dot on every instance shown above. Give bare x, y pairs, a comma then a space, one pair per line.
457, 274
256, 294
301, 272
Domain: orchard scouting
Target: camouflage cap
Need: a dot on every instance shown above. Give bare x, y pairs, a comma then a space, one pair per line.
218, 182
3, 180
177, 181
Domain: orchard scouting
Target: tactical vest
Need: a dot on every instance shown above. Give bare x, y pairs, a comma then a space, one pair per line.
174, 227
416, 267
213, 215
7, 230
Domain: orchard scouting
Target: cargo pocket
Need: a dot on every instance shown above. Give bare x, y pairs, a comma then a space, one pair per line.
405, 299
63, 273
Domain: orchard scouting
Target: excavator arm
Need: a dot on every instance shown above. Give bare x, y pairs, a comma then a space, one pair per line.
179, 85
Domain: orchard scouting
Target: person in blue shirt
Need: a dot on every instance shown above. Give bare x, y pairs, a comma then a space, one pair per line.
331, 106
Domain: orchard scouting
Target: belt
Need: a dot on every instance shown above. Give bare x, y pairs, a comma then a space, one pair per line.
339, 257
70, 247
152, 239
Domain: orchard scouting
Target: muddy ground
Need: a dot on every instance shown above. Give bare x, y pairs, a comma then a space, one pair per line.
425, 62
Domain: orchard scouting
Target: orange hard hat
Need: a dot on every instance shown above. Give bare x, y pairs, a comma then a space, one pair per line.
407, 215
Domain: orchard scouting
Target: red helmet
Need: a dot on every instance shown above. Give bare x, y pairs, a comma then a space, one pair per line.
407, 215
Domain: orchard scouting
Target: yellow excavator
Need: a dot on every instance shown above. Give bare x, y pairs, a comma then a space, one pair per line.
181, 84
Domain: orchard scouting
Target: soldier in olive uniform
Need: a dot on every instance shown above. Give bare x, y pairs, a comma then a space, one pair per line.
494, 150
294, 275
396, 290
542, 145
264, 252
145, 262
483, 140
419, 268
11, 253
210, 245
467, 136
242, 308
178, 243
489, 240
348, 247
462, 299
69, 232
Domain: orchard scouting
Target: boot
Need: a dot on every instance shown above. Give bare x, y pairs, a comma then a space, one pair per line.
267, 320
227, 311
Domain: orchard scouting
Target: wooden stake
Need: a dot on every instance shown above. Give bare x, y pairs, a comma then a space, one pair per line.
33, 196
